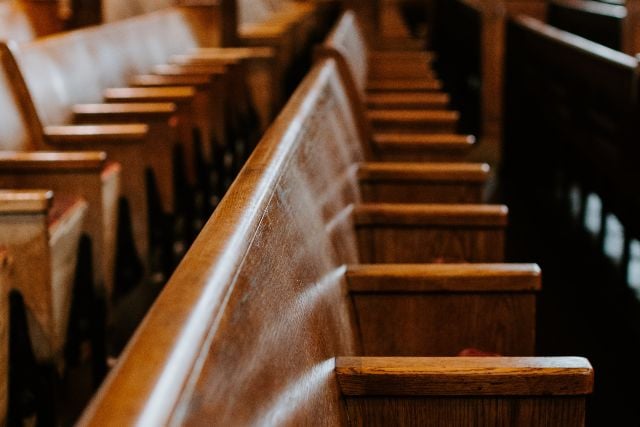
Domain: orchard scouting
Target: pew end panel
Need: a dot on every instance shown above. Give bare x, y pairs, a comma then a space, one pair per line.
407, 309
125, 144
45, 232
527, 391
422, 183
391, 233
80, 174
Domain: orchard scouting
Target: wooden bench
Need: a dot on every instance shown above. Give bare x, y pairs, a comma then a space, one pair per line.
124, 144
347, 45
46, 238
82, 174
597, 21
612, 25
585, 102
266, 331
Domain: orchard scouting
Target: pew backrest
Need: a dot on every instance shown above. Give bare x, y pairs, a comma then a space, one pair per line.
266, 304
15, 122
580, 103
76, 67
594, 20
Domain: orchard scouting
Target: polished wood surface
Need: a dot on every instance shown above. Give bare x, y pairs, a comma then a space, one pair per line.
49, 242
268, 299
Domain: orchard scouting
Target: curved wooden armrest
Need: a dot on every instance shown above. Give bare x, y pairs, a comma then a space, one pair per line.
442, 172
190, 70
464, 376
177, 94
421, 278
51, 161
431, 214
142, 111
26, 201
94, 134
155, 80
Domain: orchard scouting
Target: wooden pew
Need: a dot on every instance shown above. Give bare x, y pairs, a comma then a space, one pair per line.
585, 103
597, 21
82, 174
612, 25
346, 44
46, 237
265, 331
123, 144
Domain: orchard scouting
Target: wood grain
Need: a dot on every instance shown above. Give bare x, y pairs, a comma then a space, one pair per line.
464, 376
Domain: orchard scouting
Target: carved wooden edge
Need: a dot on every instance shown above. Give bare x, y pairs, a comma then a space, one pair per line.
405, 171
150, 94
87, 134
35, 161
435, 278
387, 214
464, 376
25, 201
427, 116
422, 141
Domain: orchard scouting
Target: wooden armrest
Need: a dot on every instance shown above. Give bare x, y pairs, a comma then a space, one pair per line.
236, 52
442, 172
406, 116
404, 85
431, 214
187, 59
176, 94
421, 141
401, 56
421, 278
405, 100
464, 376
118, 111
115, 134
14, 161
25, 201
190, 70
155, 80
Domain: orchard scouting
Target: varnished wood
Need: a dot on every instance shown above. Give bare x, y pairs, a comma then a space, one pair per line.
474, 376
34, 201
90, 133
408, 100
19, 160
50, 244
